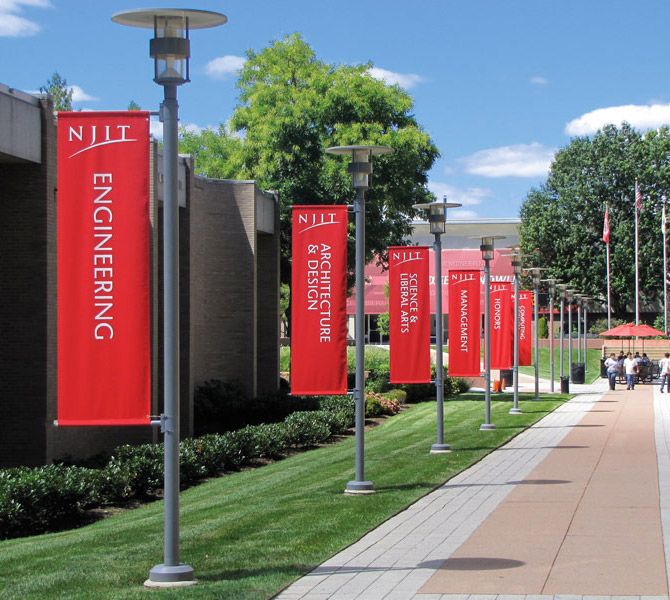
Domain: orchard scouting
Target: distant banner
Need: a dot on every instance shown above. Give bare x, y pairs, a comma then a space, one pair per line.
104, 361
502, 326
464, 320
318, 300
409, 314
525, 327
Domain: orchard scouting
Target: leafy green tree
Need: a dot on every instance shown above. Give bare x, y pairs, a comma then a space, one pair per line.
293, 106
216, 153
61, 94
132, 105
562, 221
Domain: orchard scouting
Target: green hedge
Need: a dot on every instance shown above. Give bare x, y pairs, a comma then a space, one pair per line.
35, 500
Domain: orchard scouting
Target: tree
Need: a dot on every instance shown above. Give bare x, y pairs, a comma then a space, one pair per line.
291, 107
132, 105
61, 94
562, 221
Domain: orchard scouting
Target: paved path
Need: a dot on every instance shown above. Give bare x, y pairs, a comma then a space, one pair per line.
571, 508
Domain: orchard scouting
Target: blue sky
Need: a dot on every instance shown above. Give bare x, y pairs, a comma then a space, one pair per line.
499, 85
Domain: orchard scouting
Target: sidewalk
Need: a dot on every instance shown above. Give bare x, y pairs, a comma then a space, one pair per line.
572, 507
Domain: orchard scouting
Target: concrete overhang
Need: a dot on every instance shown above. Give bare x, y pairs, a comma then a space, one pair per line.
20, 127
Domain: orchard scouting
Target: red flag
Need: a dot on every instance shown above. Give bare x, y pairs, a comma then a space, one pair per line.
104, 365
502, 326
525, 327
409, 314
318, 300
464, 324
638, 197
606, 227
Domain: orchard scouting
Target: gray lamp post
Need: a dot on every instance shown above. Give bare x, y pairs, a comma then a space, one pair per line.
561, 293
551, 286
487, 249
578, 304
437, 217
170, 49
516, 265
585, 309
569, 295
360, 169
535, 274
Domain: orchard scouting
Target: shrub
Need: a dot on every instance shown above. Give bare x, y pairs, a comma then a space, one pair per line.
43, 499
542, 328
459, 386
397, 394
304, 429
377, 404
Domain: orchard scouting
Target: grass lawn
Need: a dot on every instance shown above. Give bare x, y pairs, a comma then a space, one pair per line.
592, 365
251, 533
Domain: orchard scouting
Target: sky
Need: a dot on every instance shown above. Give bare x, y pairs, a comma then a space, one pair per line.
498, 85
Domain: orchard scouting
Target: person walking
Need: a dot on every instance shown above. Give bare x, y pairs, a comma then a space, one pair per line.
612, 366
630, 367
664, 367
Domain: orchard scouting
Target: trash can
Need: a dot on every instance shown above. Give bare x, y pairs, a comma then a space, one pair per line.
577, 373
565, 385
506, 378
603, 369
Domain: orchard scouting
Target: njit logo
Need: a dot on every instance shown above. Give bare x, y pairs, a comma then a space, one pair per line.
313, 220
98, 135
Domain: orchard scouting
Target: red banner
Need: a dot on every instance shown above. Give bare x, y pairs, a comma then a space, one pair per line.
525, 327
464, 324
502, 326
409, 314
319, 300
104, 365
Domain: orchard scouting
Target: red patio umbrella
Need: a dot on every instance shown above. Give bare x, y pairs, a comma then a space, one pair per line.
632, 330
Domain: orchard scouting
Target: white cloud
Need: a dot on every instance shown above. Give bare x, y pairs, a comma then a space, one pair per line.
539, 80
79, 95
467, 197
404, 80
649, 116
156, 128
462, 214
521, 160
14, 25
220, 67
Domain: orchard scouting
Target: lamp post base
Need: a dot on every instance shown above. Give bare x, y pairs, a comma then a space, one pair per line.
515, 411
359, 488
487, 427
440, 449
162, 576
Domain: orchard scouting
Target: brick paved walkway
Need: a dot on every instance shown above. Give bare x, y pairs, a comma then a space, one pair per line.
568, 509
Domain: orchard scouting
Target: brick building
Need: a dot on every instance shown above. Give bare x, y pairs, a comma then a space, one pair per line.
229, 289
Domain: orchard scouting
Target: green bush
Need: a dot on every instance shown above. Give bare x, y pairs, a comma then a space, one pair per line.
35, 500
397, 394
55, 497
542, 328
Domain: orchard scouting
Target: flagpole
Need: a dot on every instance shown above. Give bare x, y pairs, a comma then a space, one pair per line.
637, 279
665, 270
609, 297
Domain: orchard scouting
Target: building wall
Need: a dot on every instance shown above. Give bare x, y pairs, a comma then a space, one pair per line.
223, 282
26, 191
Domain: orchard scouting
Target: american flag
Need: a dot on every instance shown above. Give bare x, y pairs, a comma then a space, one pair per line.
606, 227
638, 197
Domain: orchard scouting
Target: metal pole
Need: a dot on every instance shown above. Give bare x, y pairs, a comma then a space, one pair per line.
569, 339
637, 272
171, 570
359, 485
515, 410
579, 331
536, 338
562, 370
487, 347
551, 341
609, 300
585, 342
439, 447
665, 273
